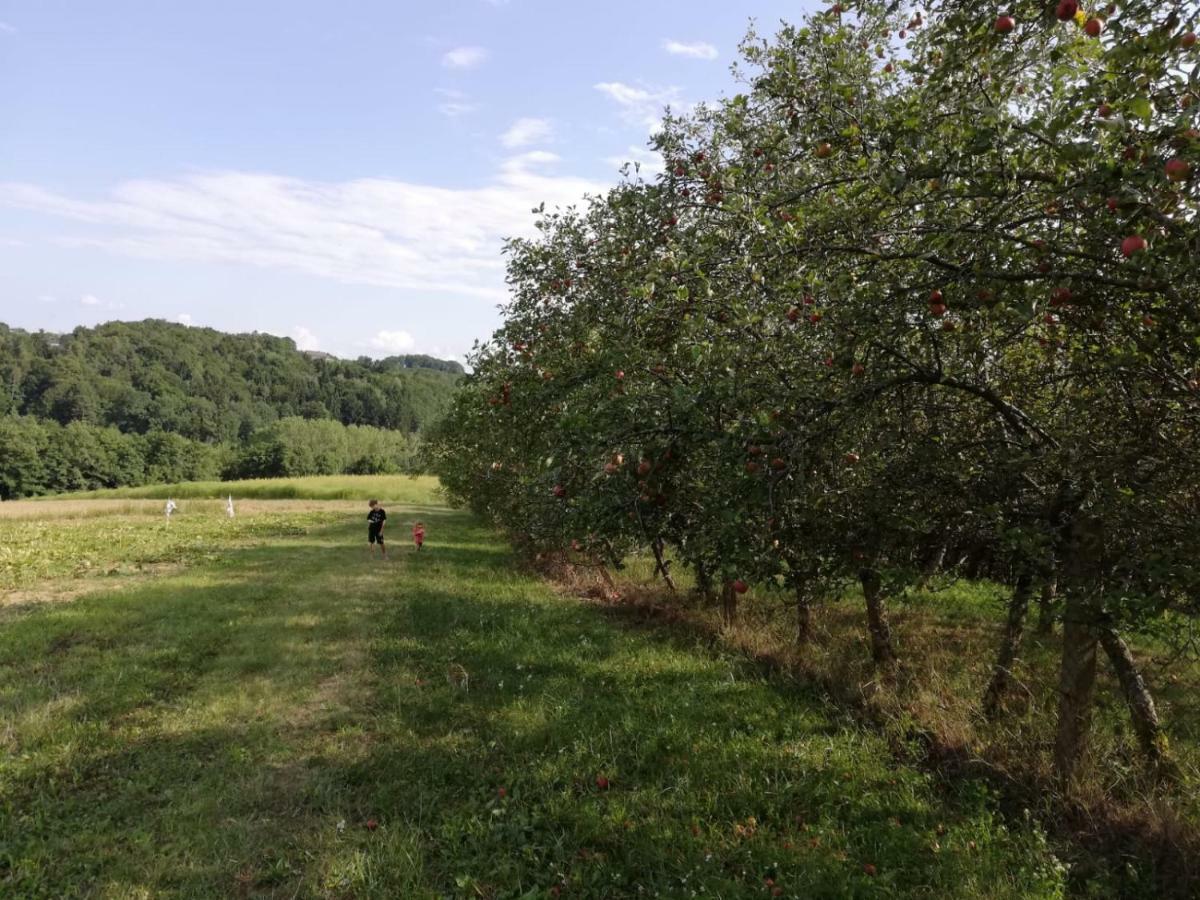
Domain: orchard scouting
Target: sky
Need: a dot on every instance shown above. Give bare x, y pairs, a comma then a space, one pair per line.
342, 173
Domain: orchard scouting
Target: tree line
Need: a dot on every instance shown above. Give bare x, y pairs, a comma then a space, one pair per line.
921, 296
39, 457
206, 385
131, 403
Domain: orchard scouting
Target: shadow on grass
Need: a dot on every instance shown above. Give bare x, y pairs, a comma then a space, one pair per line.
206, 735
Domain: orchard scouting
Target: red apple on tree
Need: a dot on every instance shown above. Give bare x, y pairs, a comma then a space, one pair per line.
560, 491
1066, 10
824, 150
851, 458
778, 464
740, 587
644, 468
1135, 243
1004, 24
793, 314
1188, 41
1092, 27
1177, 169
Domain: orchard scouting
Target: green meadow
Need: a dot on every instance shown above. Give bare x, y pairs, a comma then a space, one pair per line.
256, 708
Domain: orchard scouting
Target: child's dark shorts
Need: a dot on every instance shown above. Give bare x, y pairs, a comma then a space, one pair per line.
374, 535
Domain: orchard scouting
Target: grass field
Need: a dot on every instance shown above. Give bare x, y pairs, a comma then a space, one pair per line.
273, 714
396, 488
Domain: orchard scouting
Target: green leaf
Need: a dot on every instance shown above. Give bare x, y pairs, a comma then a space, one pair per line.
1141, 108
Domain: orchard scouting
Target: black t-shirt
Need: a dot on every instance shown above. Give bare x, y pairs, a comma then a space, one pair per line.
376, 517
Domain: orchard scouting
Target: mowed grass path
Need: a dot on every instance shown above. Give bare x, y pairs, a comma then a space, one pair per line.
231, 729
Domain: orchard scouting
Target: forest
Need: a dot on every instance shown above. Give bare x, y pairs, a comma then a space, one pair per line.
130, 403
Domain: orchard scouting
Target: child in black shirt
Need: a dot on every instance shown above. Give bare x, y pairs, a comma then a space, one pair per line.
375, 519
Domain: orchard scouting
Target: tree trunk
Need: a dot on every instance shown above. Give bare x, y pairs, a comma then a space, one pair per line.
728, 604
1046, 601
803, 614
1018, 606
660, 565
704, 583
877, 617
976, 557
1076, 685
933, 562
1137, 696
1077, 672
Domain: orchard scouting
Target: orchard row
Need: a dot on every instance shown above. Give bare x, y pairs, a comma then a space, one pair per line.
923, 295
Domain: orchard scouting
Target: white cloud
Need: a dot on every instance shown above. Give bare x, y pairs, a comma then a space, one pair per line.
13, 242
93, 300
453, 109
185, 319
5, 28
393, 341
696, 50
47, 298
641, 106
527, 131
650, 162
376, 231
305, 339
464, 57
454, 103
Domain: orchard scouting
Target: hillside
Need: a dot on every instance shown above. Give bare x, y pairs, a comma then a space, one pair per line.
206, 385
134, 403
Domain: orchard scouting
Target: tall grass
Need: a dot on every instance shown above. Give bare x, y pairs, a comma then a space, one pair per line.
392, 488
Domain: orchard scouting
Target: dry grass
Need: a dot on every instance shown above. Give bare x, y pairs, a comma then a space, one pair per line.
929, 709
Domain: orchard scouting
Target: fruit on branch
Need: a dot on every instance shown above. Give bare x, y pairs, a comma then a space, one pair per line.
1004, 24
1066, 10
824, 150
1092, 27
1135, 243
1177, 169
740, 587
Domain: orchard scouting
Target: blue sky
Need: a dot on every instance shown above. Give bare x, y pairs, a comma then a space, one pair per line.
341, 173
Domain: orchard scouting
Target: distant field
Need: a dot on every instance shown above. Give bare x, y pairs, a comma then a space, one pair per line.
393, 488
